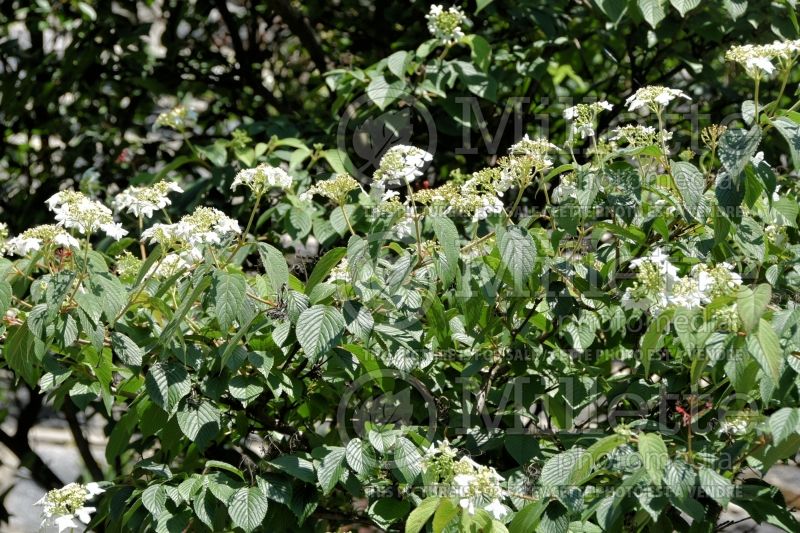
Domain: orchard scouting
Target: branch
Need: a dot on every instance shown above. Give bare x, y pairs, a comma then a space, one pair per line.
81, 442
303, 30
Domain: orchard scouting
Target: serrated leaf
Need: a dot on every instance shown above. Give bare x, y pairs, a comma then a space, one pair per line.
765, 347
200, 423
751, 303
229, 291
274, 263
654, 455
653, 11
419, 517
691, 184
167, 384
518, 254
684, 6
783, 424
247, 508
128, 351
736, 148
319, 329
330, 469
245, 388
791, 132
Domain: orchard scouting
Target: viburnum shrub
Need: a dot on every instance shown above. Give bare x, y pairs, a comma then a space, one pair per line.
460, 358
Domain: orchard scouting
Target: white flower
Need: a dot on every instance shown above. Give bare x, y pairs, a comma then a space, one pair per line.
496, 509
490, 205
74, 210
144, 201
653, 97
401, 164
584, 115
62, 506
446, 25
340, 272
35, 238
262, 178
388, 195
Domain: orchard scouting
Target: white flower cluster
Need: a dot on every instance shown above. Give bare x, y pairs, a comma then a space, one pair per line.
335, 189
446, 24
262, 178
340, 272
401, 164
635, 135
38, 237
654, 98
583, 116
206, 226
757, 59
177, 118
144, 201
74, 210
658, 285
475, 486
60, 507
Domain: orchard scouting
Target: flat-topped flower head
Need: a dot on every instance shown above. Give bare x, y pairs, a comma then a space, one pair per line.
653, 97
635, 135
757, 59
41, 237
335, 189
583, 116
446, 25
144, 201
401, 164
177, 118
74, 210
206, 225
262, 178
61, 507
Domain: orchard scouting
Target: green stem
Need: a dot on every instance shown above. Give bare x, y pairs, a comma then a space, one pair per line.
347, 220
243, 236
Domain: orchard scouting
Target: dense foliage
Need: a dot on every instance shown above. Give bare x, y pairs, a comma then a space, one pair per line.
297, 306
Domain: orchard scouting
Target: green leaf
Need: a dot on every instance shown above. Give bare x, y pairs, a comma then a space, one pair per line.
691, 184
298, 467
684, 6
518, 253
766, 349
247, 508
331, 469
275, 266
447, 235
783, 423
481, 51
128, 351
481, 4
397, 63
111, 293
613, 9
420, 516
20, 354
245, 388
751, 303
383, 93
653, 11
528, 518
445, 513
735, 8
717, 487
679, 479
736, 148
154, 499
791, 132
167, 384
478, 83
5, 296
319, 329
324, 267
566, 469
200, 423
229, 291
654, 455
359, 456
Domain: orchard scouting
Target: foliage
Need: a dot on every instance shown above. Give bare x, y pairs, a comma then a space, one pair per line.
593, 332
